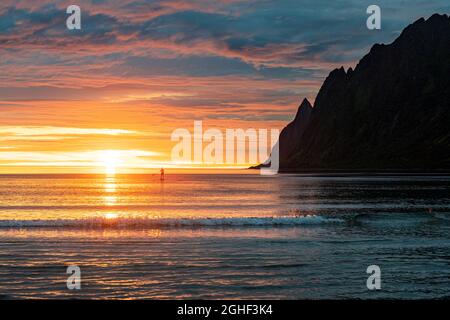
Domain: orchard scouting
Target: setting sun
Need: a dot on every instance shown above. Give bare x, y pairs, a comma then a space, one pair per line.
110, 160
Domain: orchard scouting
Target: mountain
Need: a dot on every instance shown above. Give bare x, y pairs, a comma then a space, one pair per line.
392, 112
295, 129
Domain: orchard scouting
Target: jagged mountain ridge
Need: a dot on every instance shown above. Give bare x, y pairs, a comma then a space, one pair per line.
392, 112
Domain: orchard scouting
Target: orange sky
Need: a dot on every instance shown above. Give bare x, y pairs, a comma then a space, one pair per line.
78, 136
110, 95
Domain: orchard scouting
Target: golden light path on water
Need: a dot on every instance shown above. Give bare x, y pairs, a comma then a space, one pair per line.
110, 197
129, 198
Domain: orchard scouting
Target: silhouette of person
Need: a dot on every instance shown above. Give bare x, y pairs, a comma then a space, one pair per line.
162, 174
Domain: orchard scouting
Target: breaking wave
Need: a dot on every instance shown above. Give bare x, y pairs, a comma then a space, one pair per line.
100, 222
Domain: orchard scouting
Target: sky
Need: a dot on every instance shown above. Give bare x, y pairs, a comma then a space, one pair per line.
109, 96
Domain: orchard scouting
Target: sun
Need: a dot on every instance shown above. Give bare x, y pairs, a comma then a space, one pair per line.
110, 160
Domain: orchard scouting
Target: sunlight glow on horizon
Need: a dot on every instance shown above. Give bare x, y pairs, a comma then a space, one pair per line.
111, 150
102, 161
111, 159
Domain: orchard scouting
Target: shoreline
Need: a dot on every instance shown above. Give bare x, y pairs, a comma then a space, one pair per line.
361, 173
311, 172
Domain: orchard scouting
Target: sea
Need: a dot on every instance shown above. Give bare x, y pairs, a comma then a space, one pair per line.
224, 236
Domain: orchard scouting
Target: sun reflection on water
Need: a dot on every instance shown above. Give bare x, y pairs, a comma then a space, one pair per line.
111, 215
110, 187
110, 199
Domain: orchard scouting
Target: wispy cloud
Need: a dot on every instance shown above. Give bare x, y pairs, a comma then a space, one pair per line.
96, 158
139, 69
49, 130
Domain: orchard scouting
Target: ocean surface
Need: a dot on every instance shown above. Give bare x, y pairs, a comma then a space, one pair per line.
214, 236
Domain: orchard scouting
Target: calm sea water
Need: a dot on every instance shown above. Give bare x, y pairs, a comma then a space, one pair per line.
224, 236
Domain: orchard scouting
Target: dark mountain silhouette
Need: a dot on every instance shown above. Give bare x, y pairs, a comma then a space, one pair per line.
295, 129
392, 112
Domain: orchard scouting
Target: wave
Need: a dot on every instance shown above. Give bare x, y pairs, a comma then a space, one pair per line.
100, 222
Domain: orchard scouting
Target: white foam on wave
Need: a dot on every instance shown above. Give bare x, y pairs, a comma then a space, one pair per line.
100, 222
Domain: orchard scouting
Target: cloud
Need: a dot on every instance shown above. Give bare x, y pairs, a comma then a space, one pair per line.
32, 134
28, 131
146, 67
192, 38
96, 158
